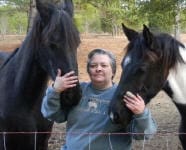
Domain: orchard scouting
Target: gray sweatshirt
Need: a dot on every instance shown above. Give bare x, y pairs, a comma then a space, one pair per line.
88, 124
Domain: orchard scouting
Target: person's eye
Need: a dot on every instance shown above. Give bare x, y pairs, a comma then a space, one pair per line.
93, 66
104, 65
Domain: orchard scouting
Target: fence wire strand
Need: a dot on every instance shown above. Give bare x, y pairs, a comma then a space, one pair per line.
161, 134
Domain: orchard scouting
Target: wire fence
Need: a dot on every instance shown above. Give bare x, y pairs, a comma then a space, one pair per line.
161, 140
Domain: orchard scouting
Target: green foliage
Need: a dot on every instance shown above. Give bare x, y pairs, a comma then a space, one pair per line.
18, 23
87, 18
160, 15
20, 5
12, 21
103, 15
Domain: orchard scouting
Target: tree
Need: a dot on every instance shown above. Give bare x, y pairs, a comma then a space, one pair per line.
164, 15
3, 26
87, 17
107, 15
31, 14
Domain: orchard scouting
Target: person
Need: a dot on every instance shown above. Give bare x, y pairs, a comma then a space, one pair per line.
88, 124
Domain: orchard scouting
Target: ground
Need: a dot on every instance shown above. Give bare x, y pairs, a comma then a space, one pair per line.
162, 108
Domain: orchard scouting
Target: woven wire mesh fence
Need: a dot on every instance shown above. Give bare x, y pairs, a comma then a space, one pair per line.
160, 141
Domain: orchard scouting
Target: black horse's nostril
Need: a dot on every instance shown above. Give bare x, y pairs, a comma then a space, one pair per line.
114, 116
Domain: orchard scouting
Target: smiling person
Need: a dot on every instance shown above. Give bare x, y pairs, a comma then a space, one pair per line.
88, 125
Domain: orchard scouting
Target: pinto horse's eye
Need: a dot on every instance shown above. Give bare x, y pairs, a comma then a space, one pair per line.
144, 89
143, 68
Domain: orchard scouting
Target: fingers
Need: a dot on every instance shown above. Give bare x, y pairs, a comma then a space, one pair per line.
139, 97
70, 81
69, 74
129, 94
66, 75
130, 98
134, 102
63, 82
58, 72
70, 78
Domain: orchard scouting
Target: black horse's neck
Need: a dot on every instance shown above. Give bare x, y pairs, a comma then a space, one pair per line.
23, 79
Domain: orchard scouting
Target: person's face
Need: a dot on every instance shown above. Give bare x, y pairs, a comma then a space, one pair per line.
100, 70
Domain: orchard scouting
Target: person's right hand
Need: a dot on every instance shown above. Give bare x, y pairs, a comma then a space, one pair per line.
64, 82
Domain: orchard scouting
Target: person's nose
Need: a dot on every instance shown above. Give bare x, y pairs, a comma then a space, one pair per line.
99, 68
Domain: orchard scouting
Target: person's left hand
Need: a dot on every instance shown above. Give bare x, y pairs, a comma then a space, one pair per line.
134, 102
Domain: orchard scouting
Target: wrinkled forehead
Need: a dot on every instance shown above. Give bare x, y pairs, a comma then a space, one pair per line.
100, 58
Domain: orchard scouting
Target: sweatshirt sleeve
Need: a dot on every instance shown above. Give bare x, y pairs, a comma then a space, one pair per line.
51, 108
143, 126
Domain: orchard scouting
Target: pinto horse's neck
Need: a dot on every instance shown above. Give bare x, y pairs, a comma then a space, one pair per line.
177, 80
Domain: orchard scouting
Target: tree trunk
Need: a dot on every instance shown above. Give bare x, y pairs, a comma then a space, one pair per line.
31, 14
177, 22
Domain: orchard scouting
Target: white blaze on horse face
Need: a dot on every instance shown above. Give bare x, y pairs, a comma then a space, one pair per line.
111, 116
127, 60
183, 52
177, 80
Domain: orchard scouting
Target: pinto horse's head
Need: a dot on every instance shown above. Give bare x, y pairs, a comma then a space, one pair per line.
145, 69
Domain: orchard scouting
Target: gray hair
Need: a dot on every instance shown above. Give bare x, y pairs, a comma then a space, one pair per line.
103, 52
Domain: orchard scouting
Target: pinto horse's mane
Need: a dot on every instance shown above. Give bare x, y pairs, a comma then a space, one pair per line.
166, 47
170, 53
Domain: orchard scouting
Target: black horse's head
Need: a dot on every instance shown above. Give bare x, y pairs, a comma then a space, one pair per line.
145, 68
56, 40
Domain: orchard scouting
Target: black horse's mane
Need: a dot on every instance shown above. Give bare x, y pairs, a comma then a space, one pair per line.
9, 57
58, 17
43, 31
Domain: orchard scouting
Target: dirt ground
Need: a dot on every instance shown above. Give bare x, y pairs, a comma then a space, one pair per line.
162, 108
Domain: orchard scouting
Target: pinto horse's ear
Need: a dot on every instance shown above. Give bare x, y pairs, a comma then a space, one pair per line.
130, 34
45, 9
148, 37
68, 6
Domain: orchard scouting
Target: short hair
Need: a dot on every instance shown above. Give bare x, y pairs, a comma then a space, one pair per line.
103, 52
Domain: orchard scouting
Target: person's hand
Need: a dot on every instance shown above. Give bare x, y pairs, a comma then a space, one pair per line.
134, 102
64, 82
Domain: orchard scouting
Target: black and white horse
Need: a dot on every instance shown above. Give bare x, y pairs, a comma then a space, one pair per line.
152, 62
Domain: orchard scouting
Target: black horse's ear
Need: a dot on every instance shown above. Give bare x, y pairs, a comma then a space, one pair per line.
45, 9
130, 34
68, 6
148, 37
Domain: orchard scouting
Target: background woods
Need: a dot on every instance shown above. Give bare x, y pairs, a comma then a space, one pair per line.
101, 16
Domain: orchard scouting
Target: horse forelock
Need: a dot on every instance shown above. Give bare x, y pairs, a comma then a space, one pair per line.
137, 46
62, 23
71, 32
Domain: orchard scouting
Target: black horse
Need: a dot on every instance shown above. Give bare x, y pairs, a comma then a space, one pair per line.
3, 56
51, 44
152, 62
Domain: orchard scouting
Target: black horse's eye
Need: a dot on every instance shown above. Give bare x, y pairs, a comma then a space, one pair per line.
54, 45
